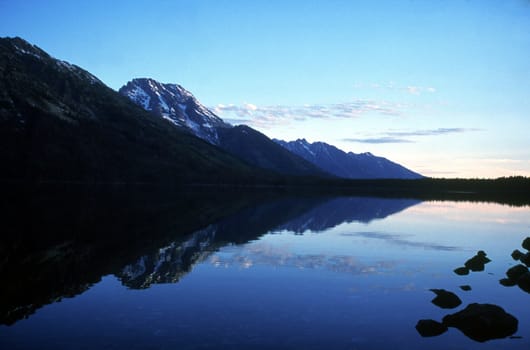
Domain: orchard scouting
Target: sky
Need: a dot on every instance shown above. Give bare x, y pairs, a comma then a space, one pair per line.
441, 86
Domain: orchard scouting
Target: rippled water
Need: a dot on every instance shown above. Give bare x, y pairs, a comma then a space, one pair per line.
345, 273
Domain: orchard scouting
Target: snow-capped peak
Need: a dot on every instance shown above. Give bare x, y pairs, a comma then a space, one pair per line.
175, 104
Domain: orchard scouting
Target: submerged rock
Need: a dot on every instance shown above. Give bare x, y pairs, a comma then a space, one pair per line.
445, 299
483, 322
430, 328
461, 271
466, 288
477, 262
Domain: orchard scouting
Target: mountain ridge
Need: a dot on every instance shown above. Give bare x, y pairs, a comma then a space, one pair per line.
348, 165
176, 104
59, 123
173, 102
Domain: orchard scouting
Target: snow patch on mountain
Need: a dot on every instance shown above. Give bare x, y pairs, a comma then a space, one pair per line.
175, 104
26, 52
138, 95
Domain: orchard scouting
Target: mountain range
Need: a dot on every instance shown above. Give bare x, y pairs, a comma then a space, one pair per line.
60, 123
174, 103
348, 165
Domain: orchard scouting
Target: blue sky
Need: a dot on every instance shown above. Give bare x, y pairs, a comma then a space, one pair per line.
442, 87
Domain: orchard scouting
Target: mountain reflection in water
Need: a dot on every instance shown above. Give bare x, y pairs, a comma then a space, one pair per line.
58, 244
236, 269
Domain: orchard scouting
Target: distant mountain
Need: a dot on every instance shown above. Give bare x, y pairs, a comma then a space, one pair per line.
174, 103
348, 165
60, 123
257, 149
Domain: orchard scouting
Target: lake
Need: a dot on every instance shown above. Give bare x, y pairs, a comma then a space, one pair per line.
260, 272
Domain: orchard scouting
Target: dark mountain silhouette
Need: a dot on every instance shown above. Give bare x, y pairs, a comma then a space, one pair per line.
348, 165
58, 122
257, 149
176, 104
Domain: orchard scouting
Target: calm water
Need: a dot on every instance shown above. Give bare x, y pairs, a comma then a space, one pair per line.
341, 273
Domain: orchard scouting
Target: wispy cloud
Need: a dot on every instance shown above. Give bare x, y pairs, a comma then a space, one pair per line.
430, 132
404, 136
411, 89
378, 140
265, 116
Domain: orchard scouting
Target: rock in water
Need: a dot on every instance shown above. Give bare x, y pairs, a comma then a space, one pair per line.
430, 328
483, 322
507, 282
525, 259
477, 262
461, 271
445, 299
466, 288
517, 254
526, 243
516, 271
524, 282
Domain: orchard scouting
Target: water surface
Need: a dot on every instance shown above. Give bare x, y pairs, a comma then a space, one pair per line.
288, 273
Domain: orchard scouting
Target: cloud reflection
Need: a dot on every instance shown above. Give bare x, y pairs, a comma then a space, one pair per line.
398, 240
267, 254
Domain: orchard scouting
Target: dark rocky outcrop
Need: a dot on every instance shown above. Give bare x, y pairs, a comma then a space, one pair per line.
526, 243
477, 262
519, 274
525, 259
445, 299
515, 272
430, 328
461, 271
517, 254
465, 288
483, 322
524, 282
507, 282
